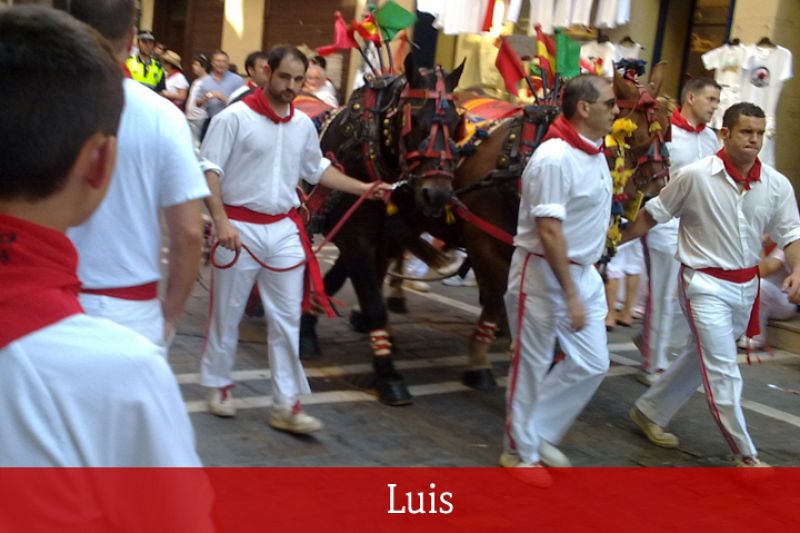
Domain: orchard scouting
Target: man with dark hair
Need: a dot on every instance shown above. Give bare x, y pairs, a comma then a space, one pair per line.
156, 171
144, 66
554, 291
664, 326
725, 203
218, 85
76, 390
254, 67
260, 148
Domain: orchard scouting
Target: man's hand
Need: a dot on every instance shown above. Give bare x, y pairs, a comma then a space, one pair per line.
379, 192
228, 236
791, 286
577, 313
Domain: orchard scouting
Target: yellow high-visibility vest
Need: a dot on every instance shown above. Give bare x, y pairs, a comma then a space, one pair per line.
150, 74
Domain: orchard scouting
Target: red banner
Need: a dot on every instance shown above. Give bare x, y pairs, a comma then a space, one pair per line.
398, 499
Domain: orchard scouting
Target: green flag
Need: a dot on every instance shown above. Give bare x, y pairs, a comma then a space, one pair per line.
568, 56
393, 18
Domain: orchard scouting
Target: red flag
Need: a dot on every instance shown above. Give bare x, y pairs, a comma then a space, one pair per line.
488, 17
509, 66
342, 38
546, 52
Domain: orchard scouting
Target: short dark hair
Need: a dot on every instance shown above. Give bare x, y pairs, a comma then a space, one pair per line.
696, 85
732, 114
581, 88
321, 61
112, 18
203, 60
61, 84
252, 57
278, 53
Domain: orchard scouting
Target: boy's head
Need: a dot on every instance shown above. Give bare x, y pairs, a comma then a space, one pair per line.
62, 99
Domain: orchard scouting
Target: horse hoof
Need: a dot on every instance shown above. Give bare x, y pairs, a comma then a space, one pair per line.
394, 393
396, 304
358, 322
309, 348
479, 379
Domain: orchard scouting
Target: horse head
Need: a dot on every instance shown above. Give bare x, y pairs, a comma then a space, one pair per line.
648, 156
427, 152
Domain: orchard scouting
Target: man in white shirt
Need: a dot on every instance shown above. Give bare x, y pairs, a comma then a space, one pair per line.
156, 172
725, 203
664, 326
554, 290
75, 390
259, 149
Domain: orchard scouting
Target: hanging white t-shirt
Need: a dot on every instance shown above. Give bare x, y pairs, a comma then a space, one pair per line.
606, 14
562, 13
581, 12
727, 62
461, 16
623, 12
120, 245
601, 54
627, 51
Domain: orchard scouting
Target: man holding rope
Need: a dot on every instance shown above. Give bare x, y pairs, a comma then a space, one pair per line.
260, 148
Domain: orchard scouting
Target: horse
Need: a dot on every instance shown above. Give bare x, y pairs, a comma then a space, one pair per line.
486, 185
397, 129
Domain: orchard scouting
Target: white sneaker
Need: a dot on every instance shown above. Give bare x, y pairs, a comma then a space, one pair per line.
458, 281
648, 378
552, 456
220, 402
419, 286
293, 419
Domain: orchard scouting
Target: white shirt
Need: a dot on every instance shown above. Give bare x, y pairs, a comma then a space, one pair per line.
193, 111
261, 163
627, 51
86, 392
572, 186
120, 245
175, 82
720, 226
686, 147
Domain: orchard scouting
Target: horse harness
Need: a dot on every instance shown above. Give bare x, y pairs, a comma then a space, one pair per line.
657, 151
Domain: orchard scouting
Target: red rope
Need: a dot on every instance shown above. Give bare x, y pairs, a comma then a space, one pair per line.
464, 212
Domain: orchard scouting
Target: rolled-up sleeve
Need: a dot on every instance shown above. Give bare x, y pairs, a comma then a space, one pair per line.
218, 143
313, 164
784, 227
548, 187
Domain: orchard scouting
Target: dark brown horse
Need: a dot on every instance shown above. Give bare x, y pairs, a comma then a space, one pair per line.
486, 183
397, 129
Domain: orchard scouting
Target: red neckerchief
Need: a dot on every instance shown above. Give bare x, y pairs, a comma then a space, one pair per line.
38, 281
753, 175
126, 71
258, 103
251, 84
562, 129
679, 120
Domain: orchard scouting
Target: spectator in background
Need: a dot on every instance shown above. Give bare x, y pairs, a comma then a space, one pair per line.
254, 66
217, 86
177, 86
627, 265
319, 85
196, 115
158, 51
143, 66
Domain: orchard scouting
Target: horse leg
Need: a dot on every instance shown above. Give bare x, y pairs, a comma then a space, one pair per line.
309, 341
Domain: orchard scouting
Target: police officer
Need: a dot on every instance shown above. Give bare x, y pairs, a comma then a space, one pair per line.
143, 66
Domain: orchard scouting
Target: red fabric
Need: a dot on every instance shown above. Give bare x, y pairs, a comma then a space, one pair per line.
487, 18
126, 71
562, 129
342, 38
742, 275
680, 121
258, 102
509, 66
313, 275
38, 280
144, 292
753, 175
251, 85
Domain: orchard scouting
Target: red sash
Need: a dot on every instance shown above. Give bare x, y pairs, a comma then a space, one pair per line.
38, 280
742, 275
146, 291
313, 275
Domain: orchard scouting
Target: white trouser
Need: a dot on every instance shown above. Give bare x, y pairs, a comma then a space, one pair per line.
664, 329
627, 261
142, 316
542, 405
718, 313
774, 305
277, 245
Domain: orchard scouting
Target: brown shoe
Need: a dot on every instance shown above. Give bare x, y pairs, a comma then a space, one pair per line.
653, 431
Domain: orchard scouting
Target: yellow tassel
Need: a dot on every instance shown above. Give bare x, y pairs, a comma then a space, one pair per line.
391, 209
634, 206
654, 127
449, 217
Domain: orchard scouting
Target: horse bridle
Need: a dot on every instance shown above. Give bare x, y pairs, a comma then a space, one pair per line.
657, 151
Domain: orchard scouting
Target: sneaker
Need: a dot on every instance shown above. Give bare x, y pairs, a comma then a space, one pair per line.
419, 286
458, 281
293, 419
648, 378
509, 459
534, 474
552, 456
751, 462
220, 402
653, 431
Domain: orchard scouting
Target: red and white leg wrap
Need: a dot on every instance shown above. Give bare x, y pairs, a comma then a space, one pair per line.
485, 332
380, 343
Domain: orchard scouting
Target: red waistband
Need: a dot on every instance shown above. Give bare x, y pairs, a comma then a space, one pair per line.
243, 214
571, 262
741, 275
146, 291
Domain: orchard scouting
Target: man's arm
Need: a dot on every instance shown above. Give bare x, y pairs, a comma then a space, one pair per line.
334, 179
643, 223
555, 252
791, 285
227, 235
185, 231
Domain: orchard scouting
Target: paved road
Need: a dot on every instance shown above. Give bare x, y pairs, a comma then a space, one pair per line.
448, 424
